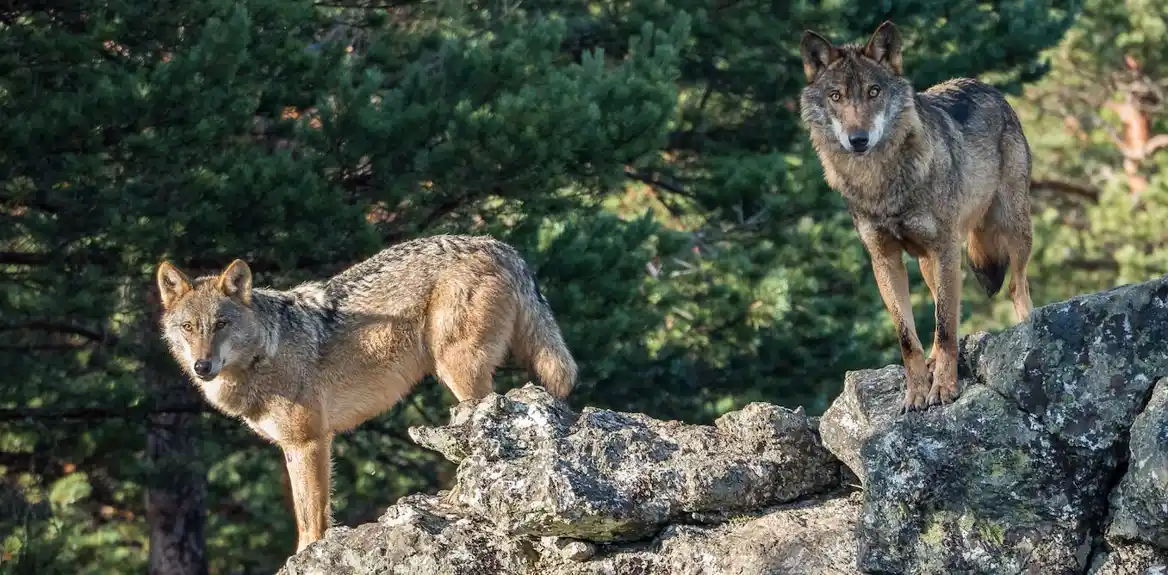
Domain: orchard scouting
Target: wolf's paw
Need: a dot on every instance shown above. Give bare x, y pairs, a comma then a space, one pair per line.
915, 399
942, 383
942, 394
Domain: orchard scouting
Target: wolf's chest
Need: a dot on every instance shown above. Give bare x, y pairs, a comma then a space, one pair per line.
914, 231
216, 392
224, 396
267, 427
913, 235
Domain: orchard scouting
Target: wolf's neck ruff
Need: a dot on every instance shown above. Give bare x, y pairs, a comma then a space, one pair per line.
286, 314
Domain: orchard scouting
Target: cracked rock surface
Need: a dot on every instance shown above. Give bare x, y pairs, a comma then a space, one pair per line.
1054, 460
1141, 499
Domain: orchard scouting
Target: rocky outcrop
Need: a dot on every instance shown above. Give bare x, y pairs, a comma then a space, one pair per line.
543, 489
531, 466
1054, 460
1015, 476
424, 535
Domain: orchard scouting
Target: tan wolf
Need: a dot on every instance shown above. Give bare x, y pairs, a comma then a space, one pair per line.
919, 173
301, 365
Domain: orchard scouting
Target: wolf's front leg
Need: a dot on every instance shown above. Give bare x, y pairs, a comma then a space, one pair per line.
309, 471
929, 273
892, 279
947, 267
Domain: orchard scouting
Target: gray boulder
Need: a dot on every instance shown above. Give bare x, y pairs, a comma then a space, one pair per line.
1141, 499
871, 400
419, 535
1086, 366
1129, 559
423, 535
808, 538
541, 489
1014, 477
976, 487
531, 466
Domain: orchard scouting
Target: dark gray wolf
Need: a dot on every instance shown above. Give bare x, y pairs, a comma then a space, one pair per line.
920, 172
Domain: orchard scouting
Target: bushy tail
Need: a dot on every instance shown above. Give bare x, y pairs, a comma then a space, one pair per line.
989, 261
539, 344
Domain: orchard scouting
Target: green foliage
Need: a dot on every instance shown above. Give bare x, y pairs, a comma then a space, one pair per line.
645, 156
1093, 230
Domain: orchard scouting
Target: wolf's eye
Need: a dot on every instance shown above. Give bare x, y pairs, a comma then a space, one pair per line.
186, 326
221, 324
873, 91
835, 96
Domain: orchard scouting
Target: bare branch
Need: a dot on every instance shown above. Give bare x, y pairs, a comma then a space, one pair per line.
1093, 264
368, 5
84, 414
655, 181
44, 347
22, 259
1069, 188
302, 262
1155, 143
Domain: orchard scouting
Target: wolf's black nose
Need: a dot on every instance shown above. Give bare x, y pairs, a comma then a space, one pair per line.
202, 367
859, 141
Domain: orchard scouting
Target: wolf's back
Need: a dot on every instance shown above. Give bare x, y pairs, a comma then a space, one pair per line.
979, 111
400, 279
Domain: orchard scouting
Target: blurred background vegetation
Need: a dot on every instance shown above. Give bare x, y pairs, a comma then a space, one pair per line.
646, 156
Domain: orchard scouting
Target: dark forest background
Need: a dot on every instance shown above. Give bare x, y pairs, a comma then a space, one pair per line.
645, 156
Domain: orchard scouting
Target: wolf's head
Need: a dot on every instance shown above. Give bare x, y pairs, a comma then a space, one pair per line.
209, 323
854, 93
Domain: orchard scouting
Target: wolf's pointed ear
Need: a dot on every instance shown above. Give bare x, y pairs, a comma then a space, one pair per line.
172, 284
884, 47
817, 52
235, 281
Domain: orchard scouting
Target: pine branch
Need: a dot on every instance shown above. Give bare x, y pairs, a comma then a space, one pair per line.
1069, 188
84, 414
75, 415
655, 181
64, 328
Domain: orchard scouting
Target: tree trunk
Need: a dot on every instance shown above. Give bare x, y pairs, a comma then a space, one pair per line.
176, 500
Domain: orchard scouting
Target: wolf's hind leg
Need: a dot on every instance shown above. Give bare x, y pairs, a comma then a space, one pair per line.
1003, 241
1013, 221
472, 322
1019, 285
